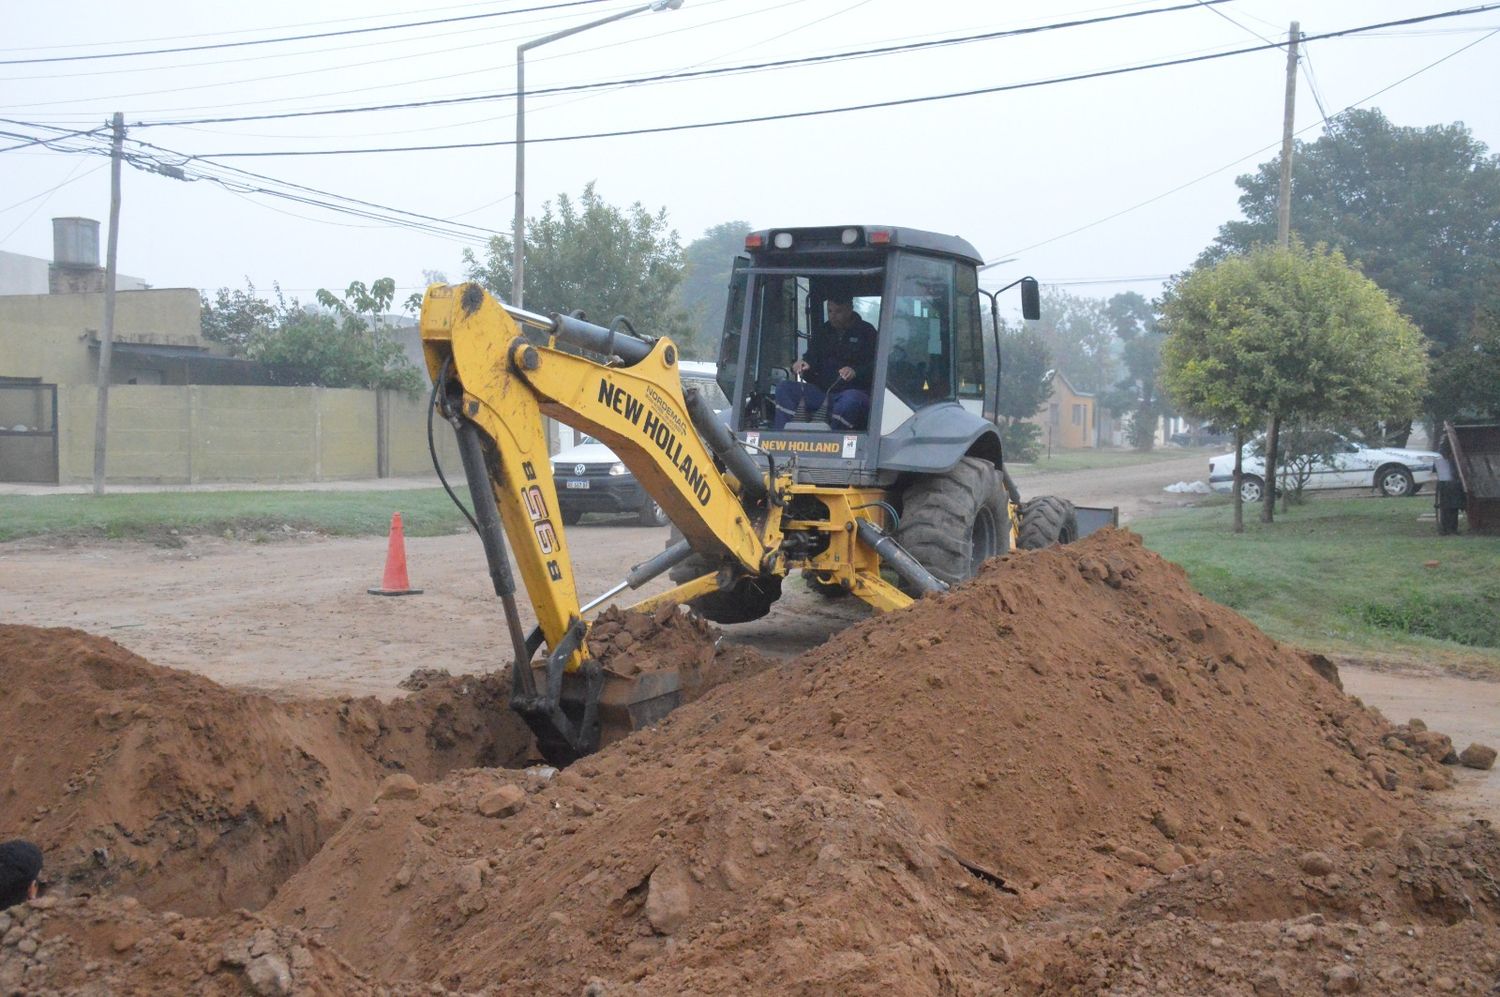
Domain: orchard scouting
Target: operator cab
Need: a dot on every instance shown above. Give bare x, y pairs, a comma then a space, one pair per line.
819, 295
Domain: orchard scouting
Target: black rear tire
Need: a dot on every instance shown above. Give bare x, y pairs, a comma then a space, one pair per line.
570, 517
1045, 521
952, 523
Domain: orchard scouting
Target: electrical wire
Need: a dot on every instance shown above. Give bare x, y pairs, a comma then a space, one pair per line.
690, 74
70, 179
1243, 27
1251, 155
875, 105
298, 38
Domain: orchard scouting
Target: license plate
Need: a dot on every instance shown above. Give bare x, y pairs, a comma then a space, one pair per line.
578, 484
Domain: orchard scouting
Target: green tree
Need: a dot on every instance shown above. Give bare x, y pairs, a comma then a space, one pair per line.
235, 317
1417, 208
1080, 336
1467, 384
593, 256
704, 291
1026, 375
1296, 334
1139, 391
346, 346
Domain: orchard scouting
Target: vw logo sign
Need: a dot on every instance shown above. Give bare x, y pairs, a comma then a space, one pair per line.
579, 468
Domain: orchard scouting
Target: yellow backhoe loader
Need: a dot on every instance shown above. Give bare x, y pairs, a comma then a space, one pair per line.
884, 495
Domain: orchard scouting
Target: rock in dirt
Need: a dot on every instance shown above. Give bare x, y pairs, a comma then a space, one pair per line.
506, 801
669, 898
398, 787
1315, 864
1478, 756
269, 975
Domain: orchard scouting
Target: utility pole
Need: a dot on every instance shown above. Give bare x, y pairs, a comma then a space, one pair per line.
1288, 122
107, 334
1283, 239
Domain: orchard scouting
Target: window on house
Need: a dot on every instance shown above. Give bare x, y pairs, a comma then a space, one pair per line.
1077, 414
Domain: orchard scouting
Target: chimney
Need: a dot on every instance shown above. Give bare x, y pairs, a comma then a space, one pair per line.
75, 265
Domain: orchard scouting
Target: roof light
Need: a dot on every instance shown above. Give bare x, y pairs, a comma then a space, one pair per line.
850, 236
783, 240
880, 237
753, 241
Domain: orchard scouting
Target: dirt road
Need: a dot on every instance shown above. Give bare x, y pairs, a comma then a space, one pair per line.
1137, 489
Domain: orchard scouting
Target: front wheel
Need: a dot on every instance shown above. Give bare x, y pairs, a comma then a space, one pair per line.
1395, 482
1046, 521
570, 517
952, 523
652, 514
1252, 489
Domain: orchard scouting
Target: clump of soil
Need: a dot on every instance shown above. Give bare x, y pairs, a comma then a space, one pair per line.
628, 644
162, 785
938, 800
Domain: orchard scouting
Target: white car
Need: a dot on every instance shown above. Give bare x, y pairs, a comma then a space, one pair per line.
1395, 472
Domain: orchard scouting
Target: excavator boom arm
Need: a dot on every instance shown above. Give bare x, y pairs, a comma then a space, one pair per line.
498, 382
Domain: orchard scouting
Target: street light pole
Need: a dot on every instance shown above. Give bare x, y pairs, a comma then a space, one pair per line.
518, 234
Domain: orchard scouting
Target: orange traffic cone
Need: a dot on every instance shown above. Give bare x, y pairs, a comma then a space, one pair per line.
395, 581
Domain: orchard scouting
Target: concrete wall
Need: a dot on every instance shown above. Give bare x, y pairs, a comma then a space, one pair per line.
47, 335
212, 433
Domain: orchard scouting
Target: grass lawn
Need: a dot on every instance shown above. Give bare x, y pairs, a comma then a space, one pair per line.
1346, 575
154, 515
1089, 459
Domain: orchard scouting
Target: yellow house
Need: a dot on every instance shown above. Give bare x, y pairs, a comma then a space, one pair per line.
1070, 420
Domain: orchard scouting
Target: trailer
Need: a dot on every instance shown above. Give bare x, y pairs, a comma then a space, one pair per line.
1476, 457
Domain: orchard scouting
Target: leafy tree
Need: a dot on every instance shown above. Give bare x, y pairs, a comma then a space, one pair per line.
1417, 208
1080, 336
1026, 375
593, 256
704, 291
1139, 392
347, 346
235, 317
1296, 334
1467, 384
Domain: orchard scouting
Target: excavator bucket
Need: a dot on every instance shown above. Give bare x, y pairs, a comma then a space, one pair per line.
627, 703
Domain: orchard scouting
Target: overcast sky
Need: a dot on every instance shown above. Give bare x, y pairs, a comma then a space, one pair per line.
1031, 173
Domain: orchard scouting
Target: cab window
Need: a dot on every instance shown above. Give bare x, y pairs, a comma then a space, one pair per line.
923, 363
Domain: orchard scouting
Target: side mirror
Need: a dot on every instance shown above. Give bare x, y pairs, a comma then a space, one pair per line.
1031, 299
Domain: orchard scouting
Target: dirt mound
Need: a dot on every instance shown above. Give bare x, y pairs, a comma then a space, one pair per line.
1417, 916
161, 784
1064, 732
117, 946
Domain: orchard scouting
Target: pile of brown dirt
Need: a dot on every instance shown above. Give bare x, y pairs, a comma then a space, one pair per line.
901, 810
1414, 916
162, 785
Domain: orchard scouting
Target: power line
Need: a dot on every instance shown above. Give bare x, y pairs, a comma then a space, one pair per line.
298, 38
148, 157
1243, 27
251, 31
821, 112
1251, 155
689, 74
694, 74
